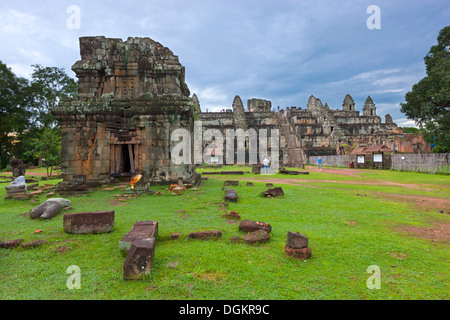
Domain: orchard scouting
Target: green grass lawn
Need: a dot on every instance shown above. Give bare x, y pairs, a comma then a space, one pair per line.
347, 234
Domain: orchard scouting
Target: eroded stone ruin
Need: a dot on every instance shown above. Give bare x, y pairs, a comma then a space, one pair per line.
132, 95
315, 130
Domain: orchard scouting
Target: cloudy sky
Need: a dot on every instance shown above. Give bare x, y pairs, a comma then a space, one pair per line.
283, 51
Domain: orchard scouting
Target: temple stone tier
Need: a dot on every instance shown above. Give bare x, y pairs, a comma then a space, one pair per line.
132, 96
314, 130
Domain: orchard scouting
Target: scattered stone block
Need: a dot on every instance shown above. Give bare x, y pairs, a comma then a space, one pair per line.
11, 244
139, 260
256, 169
231, 195
34, 243
221, 204
271, 193
296, 240
178, 190
259, 236
33, 186
269, 185
232, 215
251, 226
235, 239
231, 183
35, 193
89, 222
249, 184
205, 235
140, 230
303, 253
231, 172
175, 236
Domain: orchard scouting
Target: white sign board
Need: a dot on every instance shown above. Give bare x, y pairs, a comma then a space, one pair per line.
378, 157
360, 159
214, 159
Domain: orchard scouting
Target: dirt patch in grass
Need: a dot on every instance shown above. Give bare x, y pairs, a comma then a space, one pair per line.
438, 231
345, 172
425, 203
210, 276
117, 203
296, 182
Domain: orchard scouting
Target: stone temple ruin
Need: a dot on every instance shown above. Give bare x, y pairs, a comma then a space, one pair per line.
316, 130
133, 96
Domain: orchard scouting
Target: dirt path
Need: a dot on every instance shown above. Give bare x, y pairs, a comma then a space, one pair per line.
359, 182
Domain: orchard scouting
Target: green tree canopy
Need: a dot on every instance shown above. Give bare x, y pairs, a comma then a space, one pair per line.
25, 108
48, 86
46, 145
429, 100
14, 115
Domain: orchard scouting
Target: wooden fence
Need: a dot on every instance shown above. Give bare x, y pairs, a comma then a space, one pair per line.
332, 161
426, 162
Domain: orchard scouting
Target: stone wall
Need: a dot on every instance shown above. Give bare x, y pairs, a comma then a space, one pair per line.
318, 129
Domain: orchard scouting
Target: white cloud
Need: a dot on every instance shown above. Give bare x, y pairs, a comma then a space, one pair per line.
15, 22
213, 99
405, 122
21, 70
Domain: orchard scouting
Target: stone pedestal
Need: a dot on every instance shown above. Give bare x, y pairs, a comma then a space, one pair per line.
297, 246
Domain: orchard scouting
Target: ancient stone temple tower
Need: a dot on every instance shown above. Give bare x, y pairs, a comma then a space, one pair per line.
132, 95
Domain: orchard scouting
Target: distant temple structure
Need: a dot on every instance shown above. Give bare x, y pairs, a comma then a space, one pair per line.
132, 96
315, 130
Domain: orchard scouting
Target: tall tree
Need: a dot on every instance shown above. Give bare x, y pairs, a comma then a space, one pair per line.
428, 102
47, 147
48, 86
14, 115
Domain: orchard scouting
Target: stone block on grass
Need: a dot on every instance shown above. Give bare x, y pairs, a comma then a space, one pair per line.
140, 230
231, 183
231, 195
296, 240
205, 235
89, 222
251, 226
259, 236
139, 260
302, 254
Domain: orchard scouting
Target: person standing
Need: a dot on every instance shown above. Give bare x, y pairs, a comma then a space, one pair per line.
266, 165
319, 163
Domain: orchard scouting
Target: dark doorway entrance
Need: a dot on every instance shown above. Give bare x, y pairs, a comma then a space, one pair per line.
123, 160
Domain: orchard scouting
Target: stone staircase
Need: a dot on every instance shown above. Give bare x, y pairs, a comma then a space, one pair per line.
295, 155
